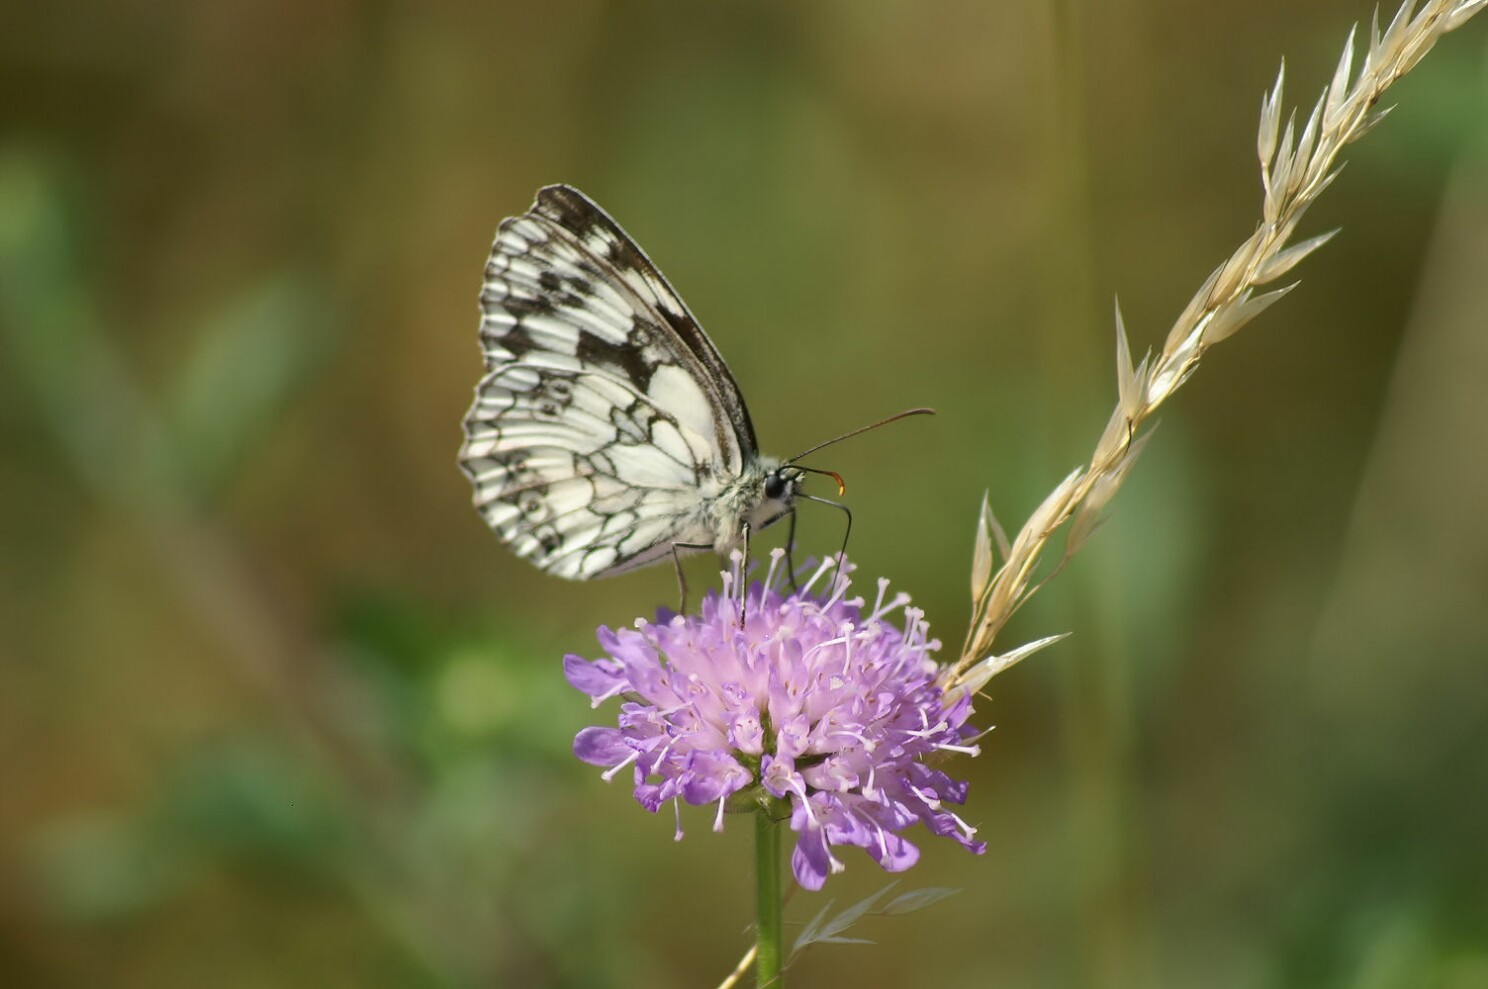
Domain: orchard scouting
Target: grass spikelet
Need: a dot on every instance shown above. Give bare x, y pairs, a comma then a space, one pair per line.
1296, 167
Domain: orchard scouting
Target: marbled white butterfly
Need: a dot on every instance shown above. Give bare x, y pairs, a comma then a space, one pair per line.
607, 432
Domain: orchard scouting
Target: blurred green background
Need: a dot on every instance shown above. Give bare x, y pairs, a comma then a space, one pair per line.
277, 710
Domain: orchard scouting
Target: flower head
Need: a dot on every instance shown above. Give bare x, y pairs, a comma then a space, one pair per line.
810, 705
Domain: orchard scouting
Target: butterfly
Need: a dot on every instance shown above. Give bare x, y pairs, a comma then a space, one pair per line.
607, 432
607, 428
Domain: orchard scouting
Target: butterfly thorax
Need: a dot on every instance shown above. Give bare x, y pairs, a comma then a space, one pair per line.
761, 495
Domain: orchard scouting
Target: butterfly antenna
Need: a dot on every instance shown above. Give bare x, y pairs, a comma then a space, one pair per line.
853, 432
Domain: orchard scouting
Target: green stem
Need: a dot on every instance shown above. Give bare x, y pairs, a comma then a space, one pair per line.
767, 893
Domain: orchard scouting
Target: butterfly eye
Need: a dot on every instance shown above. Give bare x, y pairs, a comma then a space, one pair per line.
775, 486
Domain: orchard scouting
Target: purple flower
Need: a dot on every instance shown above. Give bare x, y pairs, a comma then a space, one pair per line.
812, 708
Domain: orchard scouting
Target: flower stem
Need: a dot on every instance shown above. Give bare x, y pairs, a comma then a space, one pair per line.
767, 895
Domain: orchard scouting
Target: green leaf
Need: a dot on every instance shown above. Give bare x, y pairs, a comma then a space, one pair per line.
918, 899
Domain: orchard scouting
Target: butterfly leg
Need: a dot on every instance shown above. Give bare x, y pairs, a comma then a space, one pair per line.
790, 549
743, 571
682, 577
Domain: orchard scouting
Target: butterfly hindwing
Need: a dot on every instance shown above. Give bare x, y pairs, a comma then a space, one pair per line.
605, 415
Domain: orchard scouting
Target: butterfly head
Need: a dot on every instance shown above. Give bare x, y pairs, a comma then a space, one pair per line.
777, 493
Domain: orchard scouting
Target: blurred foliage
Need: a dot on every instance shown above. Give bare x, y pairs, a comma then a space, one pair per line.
277, 710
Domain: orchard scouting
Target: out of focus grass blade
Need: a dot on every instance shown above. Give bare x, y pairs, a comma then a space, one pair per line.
241, 801
50, 344
247, 364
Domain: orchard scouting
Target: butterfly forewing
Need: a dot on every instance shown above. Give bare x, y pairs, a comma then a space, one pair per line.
606, 419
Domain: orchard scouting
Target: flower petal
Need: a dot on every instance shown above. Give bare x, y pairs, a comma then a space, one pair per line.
602, 747
600, 679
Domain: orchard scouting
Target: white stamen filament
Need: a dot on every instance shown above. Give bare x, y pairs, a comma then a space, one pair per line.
609, 774
806, 657
839, 591
965, 828
794, 785
618, 688
820, 570
932, 802
776, 555
832, 862
936, 729
879, 610
855, 736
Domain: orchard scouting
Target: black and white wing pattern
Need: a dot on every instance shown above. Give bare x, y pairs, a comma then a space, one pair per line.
607, 429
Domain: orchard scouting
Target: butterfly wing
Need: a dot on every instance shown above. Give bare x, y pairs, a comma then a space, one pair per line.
606, 415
